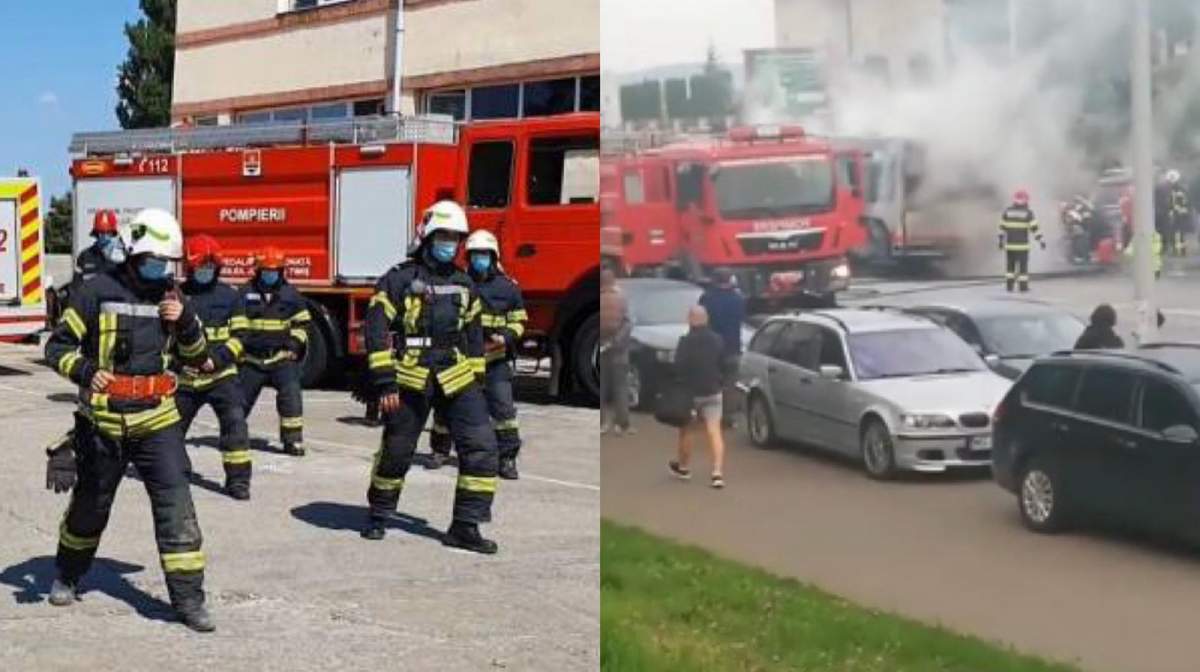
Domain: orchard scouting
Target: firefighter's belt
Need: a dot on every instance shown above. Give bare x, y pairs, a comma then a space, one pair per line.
141, 388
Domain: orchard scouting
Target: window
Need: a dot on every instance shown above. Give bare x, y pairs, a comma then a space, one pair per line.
255, 118
490, 179
662, 306
1052, 385
564, 171
634, 193
290, 115
689, 179
1164, 406
765, 338
832, 353
589, 93
799, 345
453, 103
902, 353
368, 108
297, 5
552, 96
753, 189
1030, 335
1107, 394
658, 185
206, 121
329, 111
495, 102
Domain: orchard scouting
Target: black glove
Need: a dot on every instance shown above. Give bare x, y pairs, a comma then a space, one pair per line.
60, 468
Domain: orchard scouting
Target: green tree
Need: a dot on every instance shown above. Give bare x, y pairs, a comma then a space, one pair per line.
59, 224
144, 79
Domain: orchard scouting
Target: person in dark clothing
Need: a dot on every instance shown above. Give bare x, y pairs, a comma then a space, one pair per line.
698, 368
1100, 333
726, 311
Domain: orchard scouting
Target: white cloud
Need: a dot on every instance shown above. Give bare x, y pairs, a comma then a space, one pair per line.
48, 98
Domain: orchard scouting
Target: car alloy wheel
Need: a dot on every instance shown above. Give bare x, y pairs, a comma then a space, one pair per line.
877, 451
758, 422
1037, 497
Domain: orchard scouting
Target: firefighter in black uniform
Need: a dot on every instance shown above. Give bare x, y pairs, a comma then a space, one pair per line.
1017, 224
503, 318
435, 361
1179, 215
272, 325
217, 384
114, 342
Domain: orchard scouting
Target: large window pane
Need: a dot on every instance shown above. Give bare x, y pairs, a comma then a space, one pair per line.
494, 102
1163, 406
490, 179
290, 115
589, 93
453, 103
330, 111
255, 118
552, 96
368, 108
1107, 394
564, 171
1052, 385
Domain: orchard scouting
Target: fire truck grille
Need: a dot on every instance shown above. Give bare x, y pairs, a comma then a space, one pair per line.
799, 241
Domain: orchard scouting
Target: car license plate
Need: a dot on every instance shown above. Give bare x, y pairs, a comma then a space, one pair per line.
979, 443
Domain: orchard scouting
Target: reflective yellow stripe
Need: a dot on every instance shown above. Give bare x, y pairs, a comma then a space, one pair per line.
273, 359
381, 299
301, 317
192, 561
478, 364
73, 542
193, 349
477, 483
201, 381
412, 313
68, 362
1017, 247
458, 377
518, 315
493, 356
134, 425
235, 347
381, 483
381, 360
474, 309
300, 335
268, 325
292, 423
492, 321
236, 457
517, 329
98, 401
216, 333
75, 323
108, 340
239, 323
505, 425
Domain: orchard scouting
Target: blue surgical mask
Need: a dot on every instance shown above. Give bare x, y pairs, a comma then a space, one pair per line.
115, 252
153, 269
205, 274
444, 251
269, 278
481, 262
104, 242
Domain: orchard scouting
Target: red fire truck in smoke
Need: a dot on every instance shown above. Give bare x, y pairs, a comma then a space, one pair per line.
341, 199
777, 208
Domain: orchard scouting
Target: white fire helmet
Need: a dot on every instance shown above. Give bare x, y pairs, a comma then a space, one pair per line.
155, 232
444, 216
483, 240
1173, 176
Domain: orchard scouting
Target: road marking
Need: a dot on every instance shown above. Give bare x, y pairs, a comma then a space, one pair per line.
565, 484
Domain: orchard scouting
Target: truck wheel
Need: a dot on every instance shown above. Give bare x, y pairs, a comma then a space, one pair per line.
316, 357
585, 358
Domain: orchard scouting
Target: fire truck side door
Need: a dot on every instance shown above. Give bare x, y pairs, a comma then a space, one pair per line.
491, 170
125, 195
374, 212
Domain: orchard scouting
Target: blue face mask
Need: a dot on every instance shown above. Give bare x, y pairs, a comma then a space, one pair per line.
480, 263
269, 278
104, 242
205, 274
443, 251
152, 269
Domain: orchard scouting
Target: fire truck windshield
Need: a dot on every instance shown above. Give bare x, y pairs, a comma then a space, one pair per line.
774, 188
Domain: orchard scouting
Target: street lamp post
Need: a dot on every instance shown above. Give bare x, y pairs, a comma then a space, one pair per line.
1143, 171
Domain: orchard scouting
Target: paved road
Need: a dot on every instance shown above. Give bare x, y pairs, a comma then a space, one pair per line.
291, 584
943, 550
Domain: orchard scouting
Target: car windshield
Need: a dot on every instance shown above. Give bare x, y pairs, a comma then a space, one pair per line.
758, 189
1026, 336
662, 306
910, 352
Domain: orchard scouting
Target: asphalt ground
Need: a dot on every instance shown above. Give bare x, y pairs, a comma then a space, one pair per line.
290, 583
945, 550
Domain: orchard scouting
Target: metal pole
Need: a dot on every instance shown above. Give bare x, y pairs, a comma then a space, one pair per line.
397, 61
1143, 170
1012, 30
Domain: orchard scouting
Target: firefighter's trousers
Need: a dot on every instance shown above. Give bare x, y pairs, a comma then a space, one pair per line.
285, 378
1017, 269
161, 462
225, 397
498, 390
466, 417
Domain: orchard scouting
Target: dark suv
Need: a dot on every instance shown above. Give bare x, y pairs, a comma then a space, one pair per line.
1105, 433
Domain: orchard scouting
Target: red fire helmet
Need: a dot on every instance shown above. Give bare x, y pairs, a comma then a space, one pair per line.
105, 221
201, 248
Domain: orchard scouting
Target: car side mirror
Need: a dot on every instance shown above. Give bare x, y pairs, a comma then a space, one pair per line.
991, 360
831, 372
1181, 434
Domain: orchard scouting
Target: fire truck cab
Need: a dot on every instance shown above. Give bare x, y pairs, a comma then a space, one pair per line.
342, 198
777, 208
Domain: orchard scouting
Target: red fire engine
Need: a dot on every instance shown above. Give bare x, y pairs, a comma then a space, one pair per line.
342, 198
777, 208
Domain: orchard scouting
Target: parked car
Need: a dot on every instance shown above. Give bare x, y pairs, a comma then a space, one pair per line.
1105, 433
1009, 333
658, 308
897, 391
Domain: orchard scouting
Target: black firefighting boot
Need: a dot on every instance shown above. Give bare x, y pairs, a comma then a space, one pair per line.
195, 616
374, 529
238, 490
293, 448
63, 593
436, 460
372, 414
508, 469
467, 537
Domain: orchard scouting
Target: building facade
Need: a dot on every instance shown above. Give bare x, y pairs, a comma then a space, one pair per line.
251, 61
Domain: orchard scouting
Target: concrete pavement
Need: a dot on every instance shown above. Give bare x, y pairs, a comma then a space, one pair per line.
290, 583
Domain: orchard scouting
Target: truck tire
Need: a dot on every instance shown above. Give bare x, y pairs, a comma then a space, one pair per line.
316, 357
585, 358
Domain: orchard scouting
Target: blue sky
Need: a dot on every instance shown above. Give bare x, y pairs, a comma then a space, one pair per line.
64, 58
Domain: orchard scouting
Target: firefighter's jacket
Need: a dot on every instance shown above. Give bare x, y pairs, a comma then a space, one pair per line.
112, 326
215, 305
1181, 205
434, 311
502, 311
1017, 225
90, 263
270, 323
1156, 251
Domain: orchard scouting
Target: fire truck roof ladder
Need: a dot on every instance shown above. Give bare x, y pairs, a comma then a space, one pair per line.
435, 129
